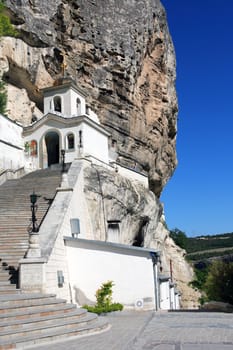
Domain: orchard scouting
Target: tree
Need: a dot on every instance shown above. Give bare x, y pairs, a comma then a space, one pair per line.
219, 283
200, 278
179, 237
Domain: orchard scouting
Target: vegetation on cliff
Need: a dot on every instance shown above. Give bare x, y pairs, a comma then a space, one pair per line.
6, 29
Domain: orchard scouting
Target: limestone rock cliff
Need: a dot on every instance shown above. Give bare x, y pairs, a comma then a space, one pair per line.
111, 197
123, 57
121, 54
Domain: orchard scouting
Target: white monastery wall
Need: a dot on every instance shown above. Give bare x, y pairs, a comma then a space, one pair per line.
74, 111
10, 157
95, 143
10, 131
133, 175
92, 263
11, 144
79, 209
57, 264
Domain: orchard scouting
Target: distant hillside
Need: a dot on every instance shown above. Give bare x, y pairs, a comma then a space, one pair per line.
205, 247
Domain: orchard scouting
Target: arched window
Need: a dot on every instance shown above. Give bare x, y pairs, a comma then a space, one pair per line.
80, 139
70, 141
33, 148
57, 103
78, 106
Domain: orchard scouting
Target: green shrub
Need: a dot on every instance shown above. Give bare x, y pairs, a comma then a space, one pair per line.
104, 300
104, 309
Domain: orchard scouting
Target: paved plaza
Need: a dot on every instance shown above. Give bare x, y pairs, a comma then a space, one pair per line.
157, 331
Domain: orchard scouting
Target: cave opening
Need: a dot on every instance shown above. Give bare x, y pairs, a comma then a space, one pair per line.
140, 236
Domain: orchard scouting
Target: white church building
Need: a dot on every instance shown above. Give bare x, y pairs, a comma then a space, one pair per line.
66, 262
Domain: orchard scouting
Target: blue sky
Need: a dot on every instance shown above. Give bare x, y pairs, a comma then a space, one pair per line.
198, 198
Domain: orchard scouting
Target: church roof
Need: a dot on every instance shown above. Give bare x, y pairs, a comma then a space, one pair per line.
74, 121
65, 83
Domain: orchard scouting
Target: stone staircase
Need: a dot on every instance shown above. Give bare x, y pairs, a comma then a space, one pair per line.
15, 212
27, 319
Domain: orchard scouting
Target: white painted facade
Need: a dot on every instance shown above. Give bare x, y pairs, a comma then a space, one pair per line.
72, 100
169, 296
68, 125
164, 292
70, 129
11, 144
92, 263
88, 138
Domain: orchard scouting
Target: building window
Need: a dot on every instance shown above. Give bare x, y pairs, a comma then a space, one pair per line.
57, 103
78, 106
113, 231
80, 139
70, 141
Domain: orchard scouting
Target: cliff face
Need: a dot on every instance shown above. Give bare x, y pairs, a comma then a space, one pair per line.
111, 197
121, 54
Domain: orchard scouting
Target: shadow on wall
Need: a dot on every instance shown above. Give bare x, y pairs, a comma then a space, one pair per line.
81, 299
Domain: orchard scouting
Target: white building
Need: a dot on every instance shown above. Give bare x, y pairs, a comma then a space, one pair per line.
69, 127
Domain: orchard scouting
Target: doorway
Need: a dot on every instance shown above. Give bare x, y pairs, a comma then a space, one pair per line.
52, 146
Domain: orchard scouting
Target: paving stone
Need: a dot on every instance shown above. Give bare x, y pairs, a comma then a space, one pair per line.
158, 331
206, 347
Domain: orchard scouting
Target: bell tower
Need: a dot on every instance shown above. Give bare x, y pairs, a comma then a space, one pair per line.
64, 98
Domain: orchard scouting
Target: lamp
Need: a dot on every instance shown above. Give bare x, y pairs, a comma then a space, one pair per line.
33, 199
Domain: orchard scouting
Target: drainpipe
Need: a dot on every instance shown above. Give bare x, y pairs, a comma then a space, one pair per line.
155, 259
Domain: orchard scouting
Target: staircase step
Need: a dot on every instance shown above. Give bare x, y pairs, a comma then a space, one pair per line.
8, 290
53, 335
37, 329
11, 306
37, 312
74, 313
